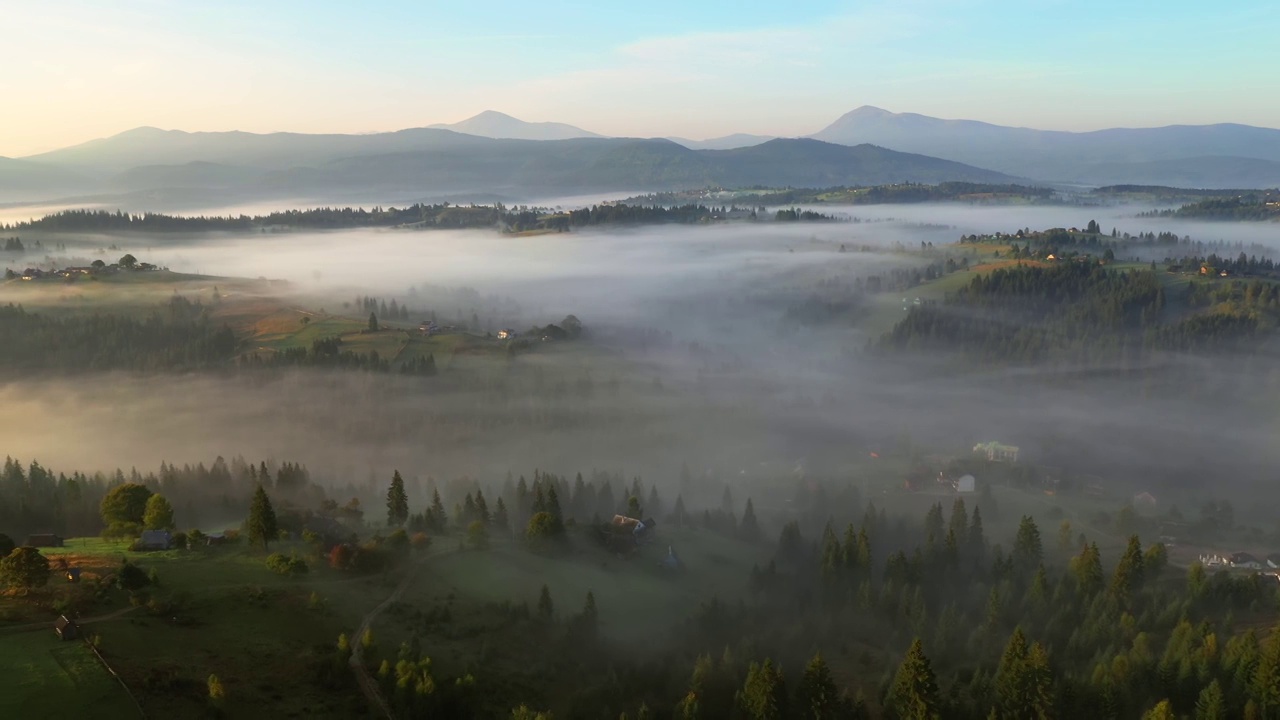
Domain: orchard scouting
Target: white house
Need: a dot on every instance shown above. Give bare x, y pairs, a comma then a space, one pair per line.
965, 484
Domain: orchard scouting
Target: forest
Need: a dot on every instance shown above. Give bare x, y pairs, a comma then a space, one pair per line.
850, 613
419, 216
1085, 315
897, 193
176, 336
1252, 206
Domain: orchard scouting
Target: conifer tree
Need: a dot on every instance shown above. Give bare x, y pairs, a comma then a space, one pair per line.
500, 519
482, 508
749, 527
1028, 551
914, 694
397, 502
764, 694
818, 698
545, 609
263, 526
436, 516
1211, 705
959, 522
1127, 577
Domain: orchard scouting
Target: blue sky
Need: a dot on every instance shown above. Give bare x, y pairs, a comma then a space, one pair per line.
73, 70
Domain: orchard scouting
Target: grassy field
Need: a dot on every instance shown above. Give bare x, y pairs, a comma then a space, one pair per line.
222, 612
44, 677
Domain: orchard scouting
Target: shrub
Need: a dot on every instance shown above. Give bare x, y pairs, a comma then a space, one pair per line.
131, 577
216, 691
286, 565
420, 541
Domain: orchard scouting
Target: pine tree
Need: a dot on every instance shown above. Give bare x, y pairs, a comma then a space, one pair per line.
1127, 577
749, 528
959, 522
1028, 552
914, 694
500, 519
977, 541
818, 698
1087, 569
764, 694
482, 508
436, 516
1162, 711
1012, 682
589, 621
263, 526
1265, 685
397, 502
373, 322
1211, 705
545, 609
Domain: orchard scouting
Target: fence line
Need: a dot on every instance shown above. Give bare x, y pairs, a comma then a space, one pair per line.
116, 675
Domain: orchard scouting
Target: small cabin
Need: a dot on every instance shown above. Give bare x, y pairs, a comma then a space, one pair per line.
73, 575
156, 540
44, 540
66, 628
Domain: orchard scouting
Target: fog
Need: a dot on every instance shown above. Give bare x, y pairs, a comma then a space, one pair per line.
689, 323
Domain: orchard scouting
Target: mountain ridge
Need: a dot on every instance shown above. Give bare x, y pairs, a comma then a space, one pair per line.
1058, 155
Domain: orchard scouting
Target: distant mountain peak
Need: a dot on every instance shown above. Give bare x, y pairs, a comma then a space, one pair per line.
868, 111
494, 124
493, 115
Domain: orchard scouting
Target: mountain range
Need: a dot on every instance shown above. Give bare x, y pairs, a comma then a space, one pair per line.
1223, 155
496, 153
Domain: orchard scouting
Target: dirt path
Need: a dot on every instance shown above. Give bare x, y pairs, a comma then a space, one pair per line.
367, 684
48, 624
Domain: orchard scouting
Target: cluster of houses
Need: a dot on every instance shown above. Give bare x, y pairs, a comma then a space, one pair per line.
1240, 560
71, 273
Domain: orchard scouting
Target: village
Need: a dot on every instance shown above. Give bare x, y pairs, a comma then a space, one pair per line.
97, 268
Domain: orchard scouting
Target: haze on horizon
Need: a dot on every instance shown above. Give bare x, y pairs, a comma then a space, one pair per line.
667, 69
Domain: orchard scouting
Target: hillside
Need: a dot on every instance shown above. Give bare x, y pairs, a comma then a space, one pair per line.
20, 179
727, 142
195, 174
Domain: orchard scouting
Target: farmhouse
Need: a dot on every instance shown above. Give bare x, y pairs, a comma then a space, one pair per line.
1273, 561
44, 540
626, 533
506, 334
1144, 498
1244, 560
966, 484
156, 540
66, 628
996, 452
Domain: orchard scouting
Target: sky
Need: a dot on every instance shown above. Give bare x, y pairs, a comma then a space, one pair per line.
74, 70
